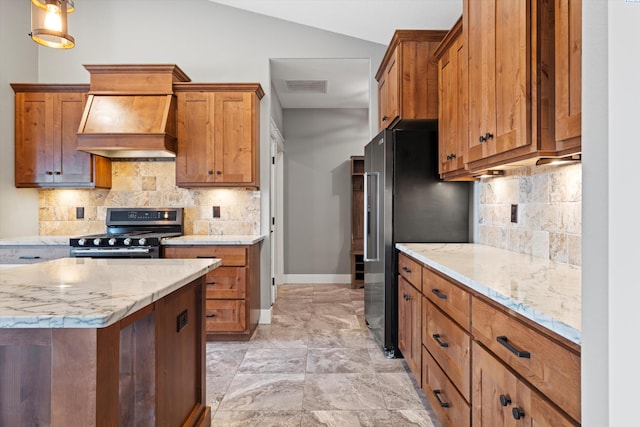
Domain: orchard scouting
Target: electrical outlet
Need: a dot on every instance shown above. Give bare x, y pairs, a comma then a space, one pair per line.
80, 212
514, 213
216, 211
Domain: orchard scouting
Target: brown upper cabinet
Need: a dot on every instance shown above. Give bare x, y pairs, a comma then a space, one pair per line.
453, 126
218, 135
47, 117
568, 43
408, 78
511, 80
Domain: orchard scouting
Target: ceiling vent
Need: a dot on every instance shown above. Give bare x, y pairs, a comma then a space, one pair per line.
306, 86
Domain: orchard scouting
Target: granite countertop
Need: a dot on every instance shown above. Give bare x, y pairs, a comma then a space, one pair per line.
90, 293
213, 240
182, 240
546, 292
35, 240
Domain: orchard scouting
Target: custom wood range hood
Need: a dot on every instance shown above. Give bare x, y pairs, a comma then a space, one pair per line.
131, 111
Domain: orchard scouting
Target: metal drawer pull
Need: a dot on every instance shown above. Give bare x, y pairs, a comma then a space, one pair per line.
29, 257
440, 342
437, 394
210, 315
505, 400
505, 342
439, 294
406, 297
517, 413
406, 270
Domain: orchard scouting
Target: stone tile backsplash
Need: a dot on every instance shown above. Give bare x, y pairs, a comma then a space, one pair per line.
149, 184
549, 200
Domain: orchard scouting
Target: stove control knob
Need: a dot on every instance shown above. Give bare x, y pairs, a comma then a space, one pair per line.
127, 241
96, 241
142, 241
82, 241
112, 241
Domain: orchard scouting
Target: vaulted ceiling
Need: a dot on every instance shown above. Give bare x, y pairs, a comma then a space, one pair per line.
370, 20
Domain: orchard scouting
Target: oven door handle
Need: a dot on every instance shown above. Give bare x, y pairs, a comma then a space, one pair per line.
110, 251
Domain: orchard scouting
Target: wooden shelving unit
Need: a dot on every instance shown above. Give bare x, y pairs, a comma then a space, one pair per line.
357, 219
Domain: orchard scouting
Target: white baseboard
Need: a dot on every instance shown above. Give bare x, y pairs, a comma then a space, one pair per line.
265, 316
304, 279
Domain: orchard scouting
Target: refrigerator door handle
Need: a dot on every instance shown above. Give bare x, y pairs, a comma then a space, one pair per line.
371, 206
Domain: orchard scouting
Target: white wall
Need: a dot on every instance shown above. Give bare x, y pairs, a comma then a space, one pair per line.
19, 63
611, 90
317, 191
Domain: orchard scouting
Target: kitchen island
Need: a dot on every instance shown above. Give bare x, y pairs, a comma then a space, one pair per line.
103, 342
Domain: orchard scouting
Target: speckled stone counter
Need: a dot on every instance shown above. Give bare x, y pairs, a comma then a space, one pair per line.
213, 240
35, 240
541, 290
90, 293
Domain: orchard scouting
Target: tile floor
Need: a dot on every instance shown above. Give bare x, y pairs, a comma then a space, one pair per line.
314, 365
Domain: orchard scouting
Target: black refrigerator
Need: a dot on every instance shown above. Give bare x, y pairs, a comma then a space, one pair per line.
405, 202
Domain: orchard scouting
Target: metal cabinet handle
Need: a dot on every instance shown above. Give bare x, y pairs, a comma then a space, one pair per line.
505, 342
488, 136
29, 257
58, 173
210, 315
482, 138
439, 294
406, 270
437, 393
384, 118
517, 413
439, 341
505, 400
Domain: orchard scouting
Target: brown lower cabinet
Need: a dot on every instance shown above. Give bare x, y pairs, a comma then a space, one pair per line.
472, 364
500, 398
232, 295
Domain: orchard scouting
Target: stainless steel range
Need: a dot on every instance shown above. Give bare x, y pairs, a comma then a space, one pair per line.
131, 233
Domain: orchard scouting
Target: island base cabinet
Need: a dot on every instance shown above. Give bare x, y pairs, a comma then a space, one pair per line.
147, 369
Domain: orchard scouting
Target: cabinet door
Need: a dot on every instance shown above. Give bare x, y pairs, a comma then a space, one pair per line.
501, 399
494, 391
497, 43
409, 331
74, 166
234, 138
195, 158
388, 96
453, 109
568, 56
34, 138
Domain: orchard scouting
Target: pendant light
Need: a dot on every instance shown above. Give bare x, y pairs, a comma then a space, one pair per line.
49, 23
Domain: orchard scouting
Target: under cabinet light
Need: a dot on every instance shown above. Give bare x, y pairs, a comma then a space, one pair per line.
49, 23
559, 160
491, 173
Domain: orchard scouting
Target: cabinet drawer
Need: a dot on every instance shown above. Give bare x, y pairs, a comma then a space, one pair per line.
449, 344
225, 315
410, 270
547, 365
450, 298
227, 283
233, 256
447, 402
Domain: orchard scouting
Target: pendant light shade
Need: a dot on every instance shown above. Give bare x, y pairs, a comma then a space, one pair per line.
49, 23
